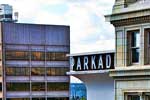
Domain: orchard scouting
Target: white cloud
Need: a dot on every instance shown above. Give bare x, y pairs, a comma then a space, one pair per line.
89, 31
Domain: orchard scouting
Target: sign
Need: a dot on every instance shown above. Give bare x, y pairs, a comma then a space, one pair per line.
92, 62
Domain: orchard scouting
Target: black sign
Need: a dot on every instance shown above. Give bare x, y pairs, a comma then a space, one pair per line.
92, 62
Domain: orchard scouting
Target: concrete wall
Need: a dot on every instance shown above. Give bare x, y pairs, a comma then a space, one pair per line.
134, 85
99, 86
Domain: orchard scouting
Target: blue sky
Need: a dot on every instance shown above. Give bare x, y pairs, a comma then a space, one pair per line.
89, 31
85, 17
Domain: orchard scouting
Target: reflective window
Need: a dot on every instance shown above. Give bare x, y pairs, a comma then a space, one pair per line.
38, 71
17, 55
57, 86
17, 71
56, 71
56, 56
38, 56
38, 86
17, 86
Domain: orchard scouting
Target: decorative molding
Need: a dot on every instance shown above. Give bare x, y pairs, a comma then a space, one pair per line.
131, 21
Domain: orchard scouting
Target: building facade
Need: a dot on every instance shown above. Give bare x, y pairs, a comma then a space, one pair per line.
92, 69
131, 19
33, 61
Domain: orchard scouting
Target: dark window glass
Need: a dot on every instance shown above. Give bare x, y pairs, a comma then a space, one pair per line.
135, 55
17, 71
0, 86
135, 43
38, 86
149, 38
17, 55
147, 97
65, 98
133, 97
18, 99
8, 16
38, 71
56, 71
56, 56
38, 56
17, 86
57, 86
38, 98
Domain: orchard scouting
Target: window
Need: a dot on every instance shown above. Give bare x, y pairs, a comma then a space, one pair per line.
38, 98
62, 98
57, 86
0, 86
133, 47
38, 86
38, 56
17, 55
17, 71
135, 44
56, 71
18, 99
56, 56
17, 86
38, 71
132, 96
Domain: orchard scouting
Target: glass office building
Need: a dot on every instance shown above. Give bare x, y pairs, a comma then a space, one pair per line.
34, 62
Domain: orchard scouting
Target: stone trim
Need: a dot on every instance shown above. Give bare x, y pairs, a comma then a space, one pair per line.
131, 21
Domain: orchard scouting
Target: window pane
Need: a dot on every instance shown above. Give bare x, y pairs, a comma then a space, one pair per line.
57, 86
38, 98
17, 55
18, 99
38, 71
56, 56
133, 97
38, 86
17, 86
17, 71
65, 98
56, 71
135, 39
37, 56
135, 55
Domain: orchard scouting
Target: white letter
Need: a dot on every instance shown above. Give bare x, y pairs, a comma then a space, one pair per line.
71, 63
78, 64
93, 62
108, 61
100, 63
85, 63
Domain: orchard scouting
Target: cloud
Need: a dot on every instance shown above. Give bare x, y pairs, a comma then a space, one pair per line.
89, 31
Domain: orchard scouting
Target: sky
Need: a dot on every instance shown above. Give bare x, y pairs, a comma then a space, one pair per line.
89, 31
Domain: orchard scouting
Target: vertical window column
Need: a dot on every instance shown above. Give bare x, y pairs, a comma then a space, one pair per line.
135, 44
133, 47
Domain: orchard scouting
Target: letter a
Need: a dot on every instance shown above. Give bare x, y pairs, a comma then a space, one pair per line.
78, 64
100, 63
85, 63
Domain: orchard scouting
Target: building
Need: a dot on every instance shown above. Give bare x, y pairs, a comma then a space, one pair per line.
78, 91
131, 19
92, 69
6, 13
33, 61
